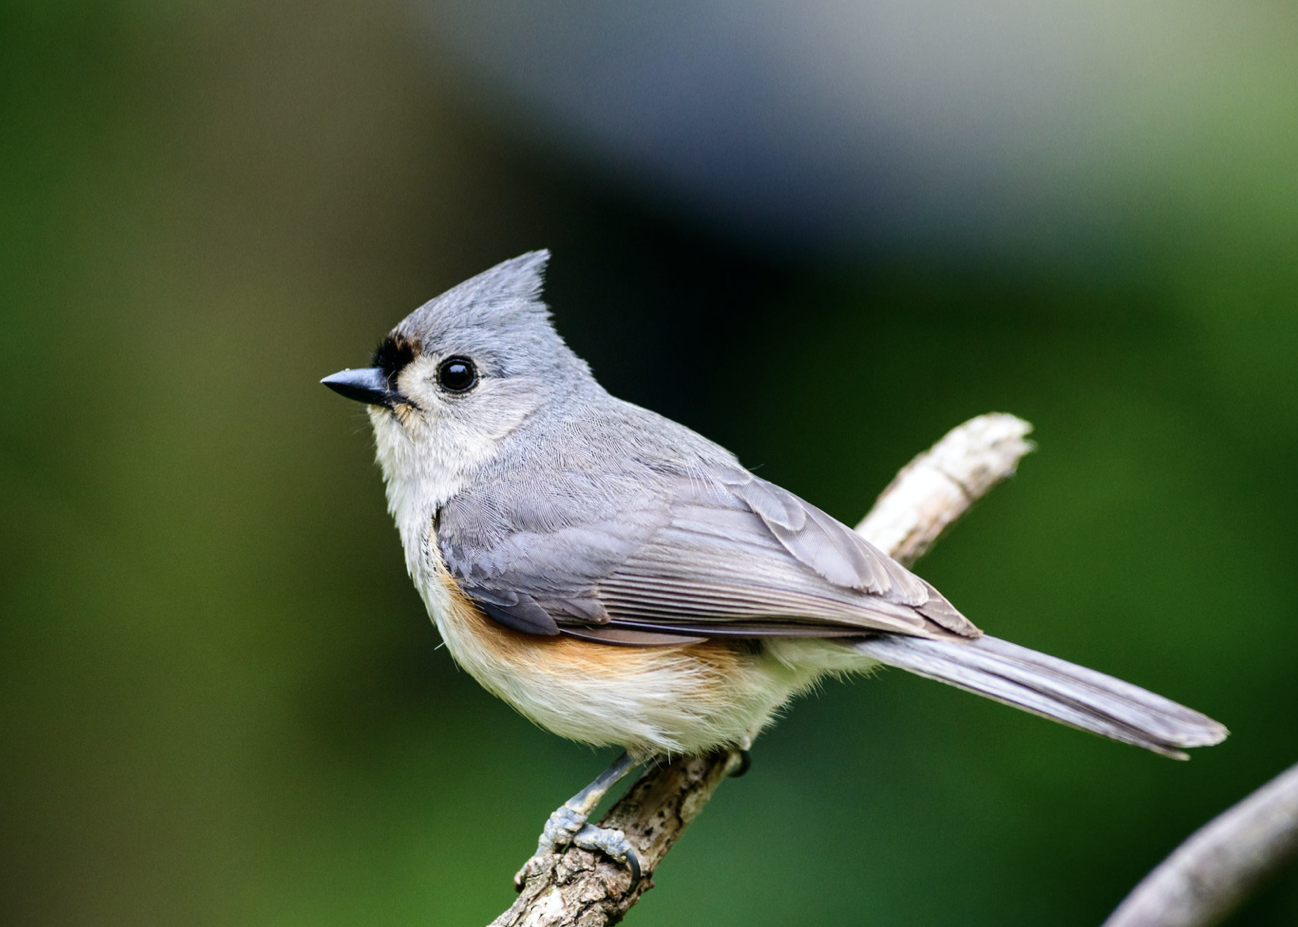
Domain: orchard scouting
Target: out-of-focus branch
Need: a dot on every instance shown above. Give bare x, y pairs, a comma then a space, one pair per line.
940, 485
1221, 863
577, 887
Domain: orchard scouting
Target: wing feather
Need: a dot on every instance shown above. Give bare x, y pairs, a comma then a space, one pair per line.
712, 554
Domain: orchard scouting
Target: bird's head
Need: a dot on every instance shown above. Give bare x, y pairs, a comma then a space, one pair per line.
461, 373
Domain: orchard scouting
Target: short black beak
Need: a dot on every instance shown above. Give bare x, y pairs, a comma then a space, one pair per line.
369, 384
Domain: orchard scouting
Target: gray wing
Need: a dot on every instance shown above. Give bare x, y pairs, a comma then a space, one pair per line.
669, 557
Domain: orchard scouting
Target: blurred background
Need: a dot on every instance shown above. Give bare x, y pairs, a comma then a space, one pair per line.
822, 234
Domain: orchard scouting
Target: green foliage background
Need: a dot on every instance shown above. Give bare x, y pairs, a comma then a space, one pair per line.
222, 700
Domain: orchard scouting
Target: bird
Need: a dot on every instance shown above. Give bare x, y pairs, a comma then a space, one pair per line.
621, 580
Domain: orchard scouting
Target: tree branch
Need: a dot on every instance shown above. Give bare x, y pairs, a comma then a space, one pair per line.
941, 484
1221, 863
577, 887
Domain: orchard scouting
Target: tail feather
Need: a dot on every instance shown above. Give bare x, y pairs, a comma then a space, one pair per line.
1052, 688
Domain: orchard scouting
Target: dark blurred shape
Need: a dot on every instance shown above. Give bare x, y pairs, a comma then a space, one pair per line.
828, 125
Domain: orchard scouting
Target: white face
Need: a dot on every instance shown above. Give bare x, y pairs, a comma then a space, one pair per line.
458, 413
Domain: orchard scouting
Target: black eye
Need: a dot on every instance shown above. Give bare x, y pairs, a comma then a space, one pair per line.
457, 374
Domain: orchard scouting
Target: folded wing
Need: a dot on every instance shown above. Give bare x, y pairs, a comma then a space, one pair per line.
709, 555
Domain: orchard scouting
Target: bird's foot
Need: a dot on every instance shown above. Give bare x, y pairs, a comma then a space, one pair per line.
569, 827
563, 825
613, 844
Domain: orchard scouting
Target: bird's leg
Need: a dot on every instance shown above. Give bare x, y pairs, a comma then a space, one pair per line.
569, 822
570, 825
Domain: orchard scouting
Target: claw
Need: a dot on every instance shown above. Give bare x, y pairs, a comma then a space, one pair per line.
745, 763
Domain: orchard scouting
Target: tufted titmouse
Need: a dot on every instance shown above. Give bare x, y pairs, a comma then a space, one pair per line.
622, 580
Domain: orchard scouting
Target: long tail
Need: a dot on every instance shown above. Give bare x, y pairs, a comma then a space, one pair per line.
1052, 688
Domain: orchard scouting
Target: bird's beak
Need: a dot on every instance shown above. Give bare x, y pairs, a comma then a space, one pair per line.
369, 384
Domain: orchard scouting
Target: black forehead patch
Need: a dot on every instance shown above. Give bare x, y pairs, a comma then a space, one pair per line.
392, 355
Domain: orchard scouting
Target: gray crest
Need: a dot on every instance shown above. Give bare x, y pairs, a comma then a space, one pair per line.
499, 314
